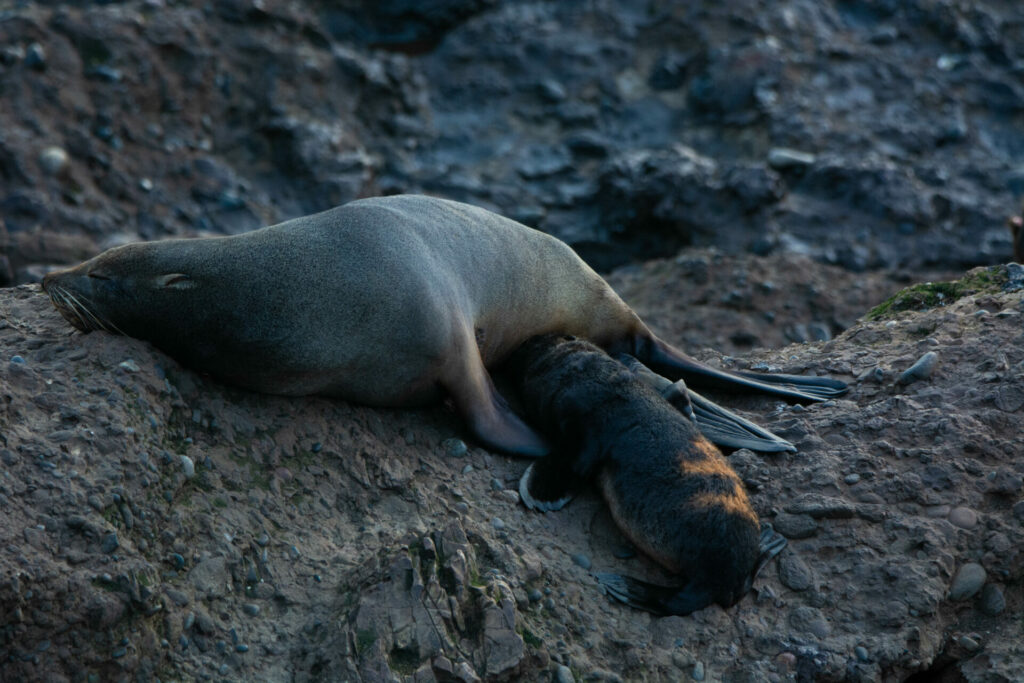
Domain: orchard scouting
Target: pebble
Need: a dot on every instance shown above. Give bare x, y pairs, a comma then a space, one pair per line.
698, 671
851, 479
17, 360
189, 620
795, 526
794, 572
263, 540
110, 543
188, 467
969, 643
786, 661
241, 647
563, 674
251, 609
462, 507
53, 160
129, 365
35, 57
467, 469
922, 369
455, 448
967, 582
535, 595
992, 600
178, 597
861, 652
781, 158
965, 518
498, 523
497, 485
581, 560
317, 447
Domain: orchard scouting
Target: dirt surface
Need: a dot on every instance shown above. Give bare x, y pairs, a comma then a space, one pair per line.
159, 525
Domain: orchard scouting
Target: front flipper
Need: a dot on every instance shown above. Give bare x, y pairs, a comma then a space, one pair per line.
726, 428
546, 485
661, 600
666, 360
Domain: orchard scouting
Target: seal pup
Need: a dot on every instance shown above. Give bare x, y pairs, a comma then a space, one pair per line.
669, 490
390, 301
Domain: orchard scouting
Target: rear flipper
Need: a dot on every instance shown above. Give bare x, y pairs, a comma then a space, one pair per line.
671, 362
721, 426
546, 485
772, 543
726, 428
682, 600
661, 600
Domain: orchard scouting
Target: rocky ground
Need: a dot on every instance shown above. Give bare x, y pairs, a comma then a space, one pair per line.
159, 525
749, 174
863, 132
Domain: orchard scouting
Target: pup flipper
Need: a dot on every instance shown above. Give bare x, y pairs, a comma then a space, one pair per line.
660, 600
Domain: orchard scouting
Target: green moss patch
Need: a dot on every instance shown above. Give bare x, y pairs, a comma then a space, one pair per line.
927, 295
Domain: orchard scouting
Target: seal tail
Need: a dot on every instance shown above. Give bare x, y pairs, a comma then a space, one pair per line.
673, 363
660, 600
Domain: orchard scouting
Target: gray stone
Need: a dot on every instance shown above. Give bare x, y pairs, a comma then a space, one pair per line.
794, 572
782, 158
795, 526
563, 674
454, 448
963, 517
211, 576
992, 601
920, 370
967, 582
581, 560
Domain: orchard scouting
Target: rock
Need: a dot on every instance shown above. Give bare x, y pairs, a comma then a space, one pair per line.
782, 159
563, 674
968, 581
963, 517
795, 526
992, 601
454, 448
53, 160
581, 560
794, 572
921, 369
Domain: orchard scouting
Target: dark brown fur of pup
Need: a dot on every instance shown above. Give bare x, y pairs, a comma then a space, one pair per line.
670, 490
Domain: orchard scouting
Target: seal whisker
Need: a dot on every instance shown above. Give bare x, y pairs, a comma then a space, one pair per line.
97, 322
68, 304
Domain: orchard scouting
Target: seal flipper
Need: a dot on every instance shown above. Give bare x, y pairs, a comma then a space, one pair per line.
545, 485
660, 600
680, 601
666, 360
487, 413
726, 428
720, 426
771, 544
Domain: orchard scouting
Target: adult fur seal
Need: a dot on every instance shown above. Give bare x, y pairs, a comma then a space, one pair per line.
670, 491
390, 301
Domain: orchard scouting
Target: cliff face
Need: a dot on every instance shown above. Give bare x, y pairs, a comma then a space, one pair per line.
868, 134
158, 524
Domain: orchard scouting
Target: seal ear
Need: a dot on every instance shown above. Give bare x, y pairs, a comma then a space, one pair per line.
174, 281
